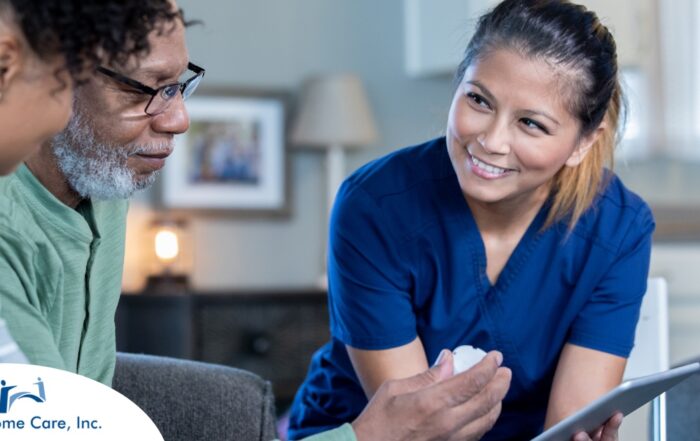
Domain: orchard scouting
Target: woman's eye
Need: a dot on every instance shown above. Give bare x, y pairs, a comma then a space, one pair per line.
478, 100
534, 125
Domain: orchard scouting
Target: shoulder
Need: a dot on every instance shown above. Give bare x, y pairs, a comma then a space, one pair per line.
398, 191
16, 221
25, 248
27, 259
403, 170
8, 193
617, 216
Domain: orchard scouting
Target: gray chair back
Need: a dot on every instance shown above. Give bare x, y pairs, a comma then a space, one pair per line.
683, 409
190, 400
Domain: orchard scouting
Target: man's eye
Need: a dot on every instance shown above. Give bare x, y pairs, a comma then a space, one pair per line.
170, 92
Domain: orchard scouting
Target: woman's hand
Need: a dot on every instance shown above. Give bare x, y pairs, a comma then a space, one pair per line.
607, 432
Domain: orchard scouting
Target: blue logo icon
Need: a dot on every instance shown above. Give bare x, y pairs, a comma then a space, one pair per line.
7, 400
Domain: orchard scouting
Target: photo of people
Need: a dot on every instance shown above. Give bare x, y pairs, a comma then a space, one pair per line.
225, 152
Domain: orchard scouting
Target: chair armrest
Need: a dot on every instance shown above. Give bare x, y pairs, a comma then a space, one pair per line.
190, 400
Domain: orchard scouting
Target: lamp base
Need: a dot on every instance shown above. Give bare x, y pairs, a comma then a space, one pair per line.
167, 284
322, 282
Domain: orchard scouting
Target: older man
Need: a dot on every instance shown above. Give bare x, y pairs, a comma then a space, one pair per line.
62, 247
61, 269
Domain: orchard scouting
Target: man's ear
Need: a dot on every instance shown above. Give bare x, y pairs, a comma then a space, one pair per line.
584, 146
10, 59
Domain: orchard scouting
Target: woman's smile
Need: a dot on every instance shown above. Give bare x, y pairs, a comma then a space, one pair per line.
486, 170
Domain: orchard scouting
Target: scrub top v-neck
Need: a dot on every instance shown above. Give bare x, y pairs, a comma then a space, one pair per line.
515, 261
406, 260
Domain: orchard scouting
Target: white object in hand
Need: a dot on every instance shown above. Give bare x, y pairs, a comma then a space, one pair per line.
466, 356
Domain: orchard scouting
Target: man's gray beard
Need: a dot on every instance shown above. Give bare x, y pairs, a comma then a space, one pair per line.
94, 169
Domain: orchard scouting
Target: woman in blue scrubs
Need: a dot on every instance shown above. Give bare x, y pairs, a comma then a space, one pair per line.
508, 233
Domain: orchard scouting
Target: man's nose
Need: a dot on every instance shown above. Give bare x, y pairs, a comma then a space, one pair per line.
174, 120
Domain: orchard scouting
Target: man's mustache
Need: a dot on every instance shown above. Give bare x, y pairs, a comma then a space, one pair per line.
154, 149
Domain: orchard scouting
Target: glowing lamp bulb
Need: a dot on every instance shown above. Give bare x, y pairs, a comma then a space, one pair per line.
167, 247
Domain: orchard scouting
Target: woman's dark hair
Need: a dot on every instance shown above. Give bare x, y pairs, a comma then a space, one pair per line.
572, 40
89, 32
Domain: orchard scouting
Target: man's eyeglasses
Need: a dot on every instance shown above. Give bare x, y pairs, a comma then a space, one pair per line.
163, 96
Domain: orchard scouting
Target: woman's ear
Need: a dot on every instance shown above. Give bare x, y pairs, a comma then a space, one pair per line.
584, 146
10, 59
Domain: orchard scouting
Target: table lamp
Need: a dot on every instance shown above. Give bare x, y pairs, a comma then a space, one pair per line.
334, 114
167, 248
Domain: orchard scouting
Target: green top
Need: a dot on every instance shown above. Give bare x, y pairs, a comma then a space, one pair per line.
342, 433
57, 308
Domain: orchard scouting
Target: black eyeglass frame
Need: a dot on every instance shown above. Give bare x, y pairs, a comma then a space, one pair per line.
198, 73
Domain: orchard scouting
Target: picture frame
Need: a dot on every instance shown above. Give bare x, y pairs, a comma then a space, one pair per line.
233, 157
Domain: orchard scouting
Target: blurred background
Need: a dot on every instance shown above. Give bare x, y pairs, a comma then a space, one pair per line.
239, 276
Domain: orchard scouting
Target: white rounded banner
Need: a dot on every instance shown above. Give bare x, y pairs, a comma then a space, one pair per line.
41, 403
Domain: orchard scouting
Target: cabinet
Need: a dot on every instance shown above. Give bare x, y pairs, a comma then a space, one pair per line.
156, 325
273, 334
632, 25
437, 32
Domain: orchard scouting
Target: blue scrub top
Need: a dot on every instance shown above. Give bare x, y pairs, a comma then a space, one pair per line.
406, 259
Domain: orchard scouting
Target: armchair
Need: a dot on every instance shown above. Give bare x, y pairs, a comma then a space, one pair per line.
190, 400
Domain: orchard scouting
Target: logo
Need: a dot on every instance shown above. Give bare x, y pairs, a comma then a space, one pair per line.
7, 400
80, 409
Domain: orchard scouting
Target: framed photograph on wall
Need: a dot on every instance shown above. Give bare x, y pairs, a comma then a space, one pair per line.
231, 158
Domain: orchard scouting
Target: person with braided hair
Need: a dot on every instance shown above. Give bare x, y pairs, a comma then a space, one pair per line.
509, 233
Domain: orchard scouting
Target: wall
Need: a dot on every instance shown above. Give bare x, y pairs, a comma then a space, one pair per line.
275, 44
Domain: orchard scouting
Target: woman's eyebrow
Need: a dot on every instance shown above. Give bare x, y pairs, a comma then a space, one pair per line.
544, 114
484, 90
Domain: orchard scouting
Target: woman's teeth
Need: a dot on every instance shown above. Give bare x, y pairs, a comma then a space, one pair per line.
487, 168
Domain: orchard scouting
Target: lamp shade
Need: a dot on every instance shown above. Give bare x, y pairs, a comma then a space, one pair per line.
334, 110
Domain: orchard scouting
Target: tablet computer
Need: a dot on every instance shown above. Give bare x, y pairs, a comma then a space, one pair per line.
625, 398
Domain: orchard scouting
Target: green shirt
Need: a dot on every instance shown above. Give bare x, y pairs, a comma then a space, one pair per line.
342, 433
60, 276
